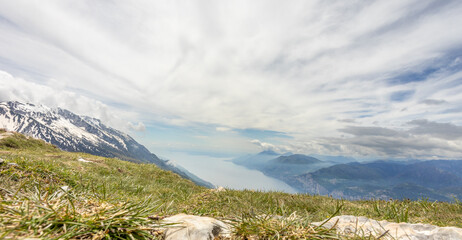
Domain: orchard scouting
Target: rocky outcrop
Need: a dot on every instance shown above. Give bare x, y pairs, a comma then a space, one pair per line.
364, 227
190, 227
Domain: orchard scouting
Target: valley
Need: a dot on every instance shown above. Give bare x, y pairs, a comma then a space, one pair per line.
434, 180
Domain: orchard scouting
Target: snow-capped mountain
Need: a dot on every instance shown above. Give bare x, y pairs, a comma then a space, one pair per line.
71, 132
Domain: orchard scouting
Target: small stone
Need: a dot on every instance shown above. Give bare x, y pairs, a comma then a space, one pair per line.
12, 164
218, 189
365, 227
83, 160
2, 161
195, 228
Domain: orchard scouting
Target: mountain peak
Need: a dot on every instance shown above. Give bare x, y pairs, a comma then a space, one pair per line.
269, 152
297, 159
75, 133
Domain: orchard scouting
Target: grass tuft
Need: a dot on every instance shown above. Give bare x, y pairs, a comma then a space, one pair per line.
19, 141
63, 214
280, 227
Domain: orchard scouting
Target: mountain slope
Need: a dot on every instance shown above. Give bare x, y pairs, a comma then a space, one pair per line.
257, 160
296, 159
382, 179
438, 180
74, 133
284, 166
280, 166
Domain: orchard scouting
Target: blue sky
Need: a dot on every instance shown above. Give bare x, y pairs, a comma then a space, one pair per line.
357, 78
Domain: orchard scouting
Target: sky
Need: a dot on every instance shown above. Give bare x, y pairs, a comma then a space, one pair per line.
367, 79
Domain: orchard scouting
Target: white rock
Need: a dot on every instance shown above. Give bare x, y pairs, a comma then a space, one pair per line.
83, 160
219, 189
13, 164
363, 227
192, 227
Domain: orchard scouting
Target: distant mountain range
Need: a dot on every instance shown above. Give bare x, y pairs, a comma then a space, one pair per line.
281, 166
256, 161
74, 133
339, 177
436, 180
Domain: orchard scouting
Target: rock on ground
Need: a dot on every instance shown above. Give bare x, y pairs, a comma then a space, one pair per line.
12, 164
218, 189
83, 160
362, 226
190, 227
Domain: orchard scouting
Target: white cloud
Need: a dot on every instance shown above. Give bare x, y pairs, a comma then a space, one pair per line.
140, 127
264, 146
424, 139
223, 129
307, 68
433, 102
17, 89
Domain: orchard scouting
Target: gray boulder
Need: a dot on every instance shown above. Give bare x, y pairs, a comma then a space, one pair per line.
364, 227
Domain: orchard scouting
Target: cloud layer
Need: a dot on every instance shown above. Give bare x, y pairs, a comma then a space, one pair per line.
339, 77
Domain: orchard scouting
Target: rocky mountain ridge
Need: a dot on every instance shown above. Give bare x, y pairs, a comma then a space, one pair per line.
75, 133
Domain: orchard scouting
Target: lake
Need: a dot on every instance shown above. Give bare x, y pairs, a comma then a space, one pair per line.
222, 172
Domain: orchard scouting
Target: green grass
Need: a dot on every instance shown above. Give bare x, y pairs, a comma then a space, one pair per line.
113, 199
65, 214
19, 141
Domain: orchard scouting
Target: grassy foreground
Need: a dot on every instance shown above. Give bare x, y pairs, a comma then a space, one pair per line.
48, 193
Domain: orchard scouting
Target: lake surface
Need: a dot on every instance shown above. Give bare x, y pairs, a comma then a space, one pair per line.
222, 172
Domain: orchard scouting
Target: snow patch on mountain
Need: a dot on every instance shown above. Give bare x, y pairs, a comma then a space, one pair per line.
71, 132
